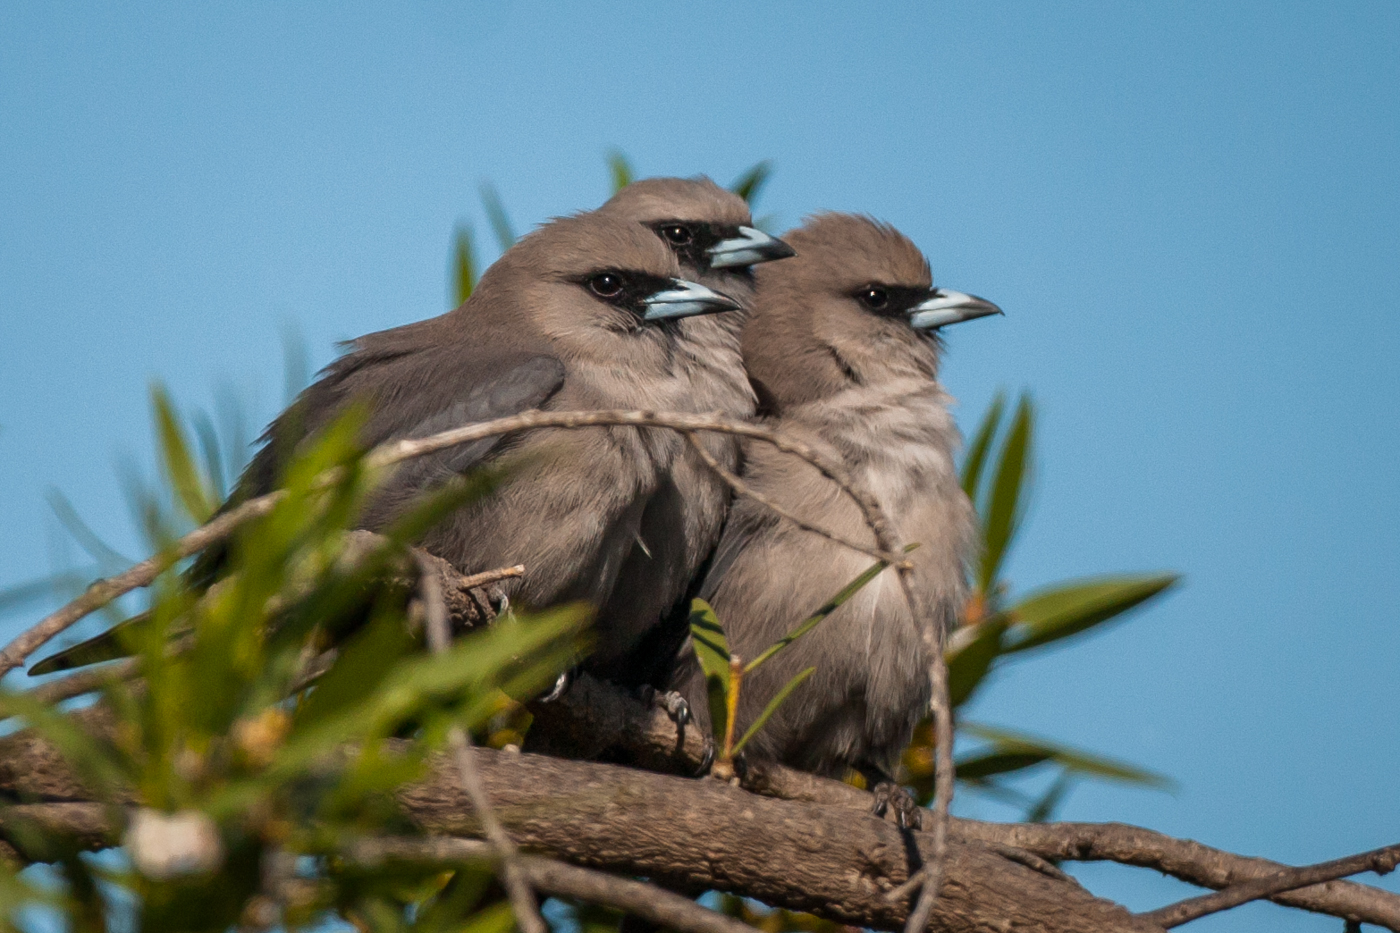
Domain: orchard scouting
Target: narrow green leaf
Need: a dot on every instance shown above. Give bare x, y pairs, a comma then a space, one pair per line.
711, 648
1049, 802
211, 454
106, 556
1007, 743
179, 465
496, 214
1071, 608
978, 767
750, 184
970, 655
981, 443
772, 707
21, 594
830, 606
1005, 508
463, 265
620, 169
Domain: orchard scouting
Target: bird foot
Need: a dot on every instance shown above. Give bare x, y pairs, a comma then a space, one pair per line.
891, 797
672, 702
561, 686
678, 709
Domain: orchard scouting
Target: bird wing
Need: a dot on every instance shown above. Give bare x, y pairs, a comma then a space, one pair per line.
412, 391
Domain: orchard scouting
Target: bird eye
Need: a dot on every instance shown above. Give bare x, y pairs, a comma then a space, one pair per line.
606, 285
677, 234
873, 297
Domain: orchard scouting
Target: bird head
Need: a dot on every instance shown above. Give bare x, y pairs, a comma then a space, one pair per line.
708, 229
857, 306
590, 280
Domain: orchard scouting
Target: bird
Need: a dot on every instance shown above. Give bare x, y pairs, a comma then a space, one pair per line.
580, 314
842, 348
710, 231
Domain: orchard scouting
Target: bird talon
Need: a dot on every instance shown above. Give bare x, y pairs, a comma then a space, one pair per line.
561, 686
890, 796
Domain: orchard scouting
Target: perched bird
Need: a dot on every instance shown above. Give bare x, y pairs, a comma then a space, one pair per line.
710, 231
841, 348
581, 314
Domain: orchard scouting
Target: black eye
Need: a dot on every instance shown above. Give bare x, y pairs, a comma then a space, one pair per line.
677, 234
606, 285
873, 297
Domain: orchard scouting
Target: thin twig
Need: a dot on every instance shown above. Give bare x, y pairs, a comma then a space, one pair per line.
522, 899
86, 681
744, 489
560, 879
101, 592
1381, 861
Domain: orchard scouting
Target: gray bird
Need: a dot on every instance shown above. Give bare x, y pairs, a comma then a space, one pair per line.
581, 314
842, 350
711, 233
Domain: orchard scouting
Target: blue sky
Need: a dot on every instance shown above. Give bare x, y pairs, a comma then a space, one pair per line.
1189, 212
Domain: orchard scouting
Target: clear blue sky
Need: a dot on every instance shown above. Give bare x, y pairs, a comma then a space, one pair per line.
1190, 211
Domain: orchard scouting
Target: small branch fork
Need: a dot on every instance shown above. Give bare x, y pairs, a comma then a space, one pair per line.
1381, 861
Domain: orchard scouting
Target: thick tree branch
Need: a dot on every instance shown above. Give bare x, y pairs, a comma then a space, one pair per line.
563, 880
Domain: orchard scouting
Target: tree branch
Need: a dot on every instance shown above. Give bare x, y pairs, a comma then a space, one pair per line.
643, 900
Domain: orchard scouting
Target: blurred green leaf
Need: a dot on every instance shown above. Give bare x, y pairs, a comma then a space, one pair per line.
1005, 508
463, 265
210, 451
977, 767
981, 444
827, 608
620, 169
750, 184
1071, 608
970, 656
1042, 809
1006, 746
772, 707
712, 651
107, 557
496, 215
179, 465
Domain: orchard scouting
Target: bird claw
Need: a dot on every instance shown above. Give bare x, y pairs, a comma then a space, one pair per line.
561, 686
890, 796
672, 702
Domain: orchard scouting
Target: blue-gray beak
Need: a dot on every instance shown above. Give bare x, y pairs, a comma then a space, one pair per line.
944, 307
750, 247
683, 299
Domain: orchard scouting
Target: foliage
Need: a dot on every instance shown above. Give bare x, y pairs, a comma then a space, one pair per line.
995, 629
245, 761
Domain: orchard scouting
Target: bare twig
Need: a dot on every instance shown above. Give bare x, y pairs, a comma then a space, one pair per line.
86, 681
643, 900
522, 899
101, 592
1381, 861
744, 489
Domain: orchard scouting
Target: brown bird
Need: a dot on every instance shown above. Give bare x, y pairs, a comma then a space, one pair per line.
581, 314
711, 233
841, 347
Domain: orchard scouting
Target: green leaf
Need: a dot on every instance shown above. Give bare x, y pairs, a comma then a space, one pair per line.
106, 556
981, 443
209, 450
179, 465
1071, 608
1006, 745
978, 767
1005, 508
620, 169
772, 707
970, 656
496, 214
830, 606
712, 651
750, 184
463, 265
1049, 802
